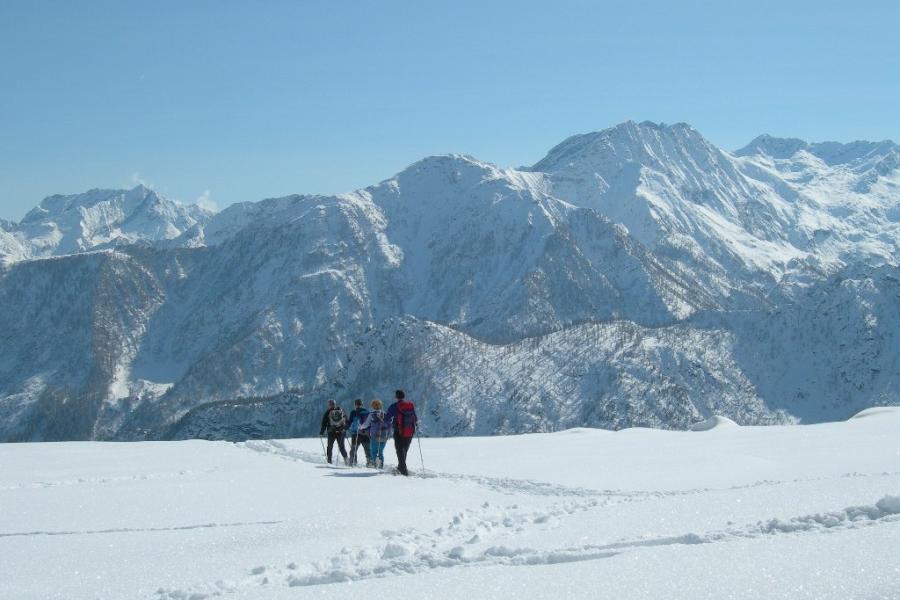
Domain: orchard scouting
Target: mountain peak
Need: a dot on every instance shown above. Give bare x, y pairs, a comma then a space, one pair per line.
629, 142
772, 146
439, 170
448, 162
58, 204
62, 224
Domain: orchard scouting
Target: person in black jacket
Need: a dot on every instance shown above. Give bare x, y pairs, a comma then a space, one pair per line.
334, 421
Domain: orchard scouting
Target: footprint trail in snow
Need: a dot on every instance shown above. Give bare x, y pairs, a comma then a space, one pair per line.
497, 534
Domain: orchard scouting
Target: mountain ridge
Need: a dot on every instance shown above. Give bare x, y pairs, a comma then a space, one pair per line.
831, 152
634, 276
101, 218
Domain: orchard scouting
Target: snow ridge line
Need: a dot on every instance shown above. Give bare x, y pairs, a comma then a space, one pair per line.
402, 554
138, 529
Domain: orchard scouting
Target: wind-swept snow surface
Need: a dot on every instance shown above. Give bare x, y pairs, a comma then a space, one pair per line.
731, 512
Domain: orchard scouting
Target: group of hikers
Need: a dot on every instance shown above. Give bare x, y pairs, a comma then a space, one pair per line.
371, 429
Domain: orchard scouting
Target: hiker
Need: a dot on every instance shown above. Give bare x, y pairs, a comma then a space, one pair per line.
334, 422
358, 438
402, 414
378, 430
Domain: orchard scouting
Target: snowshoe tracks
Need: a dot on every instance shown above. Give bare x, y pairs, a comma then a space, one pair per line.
464, 542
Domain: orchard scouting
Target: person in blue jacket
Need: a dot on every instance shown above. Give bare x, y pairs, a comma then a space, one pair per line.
358, 438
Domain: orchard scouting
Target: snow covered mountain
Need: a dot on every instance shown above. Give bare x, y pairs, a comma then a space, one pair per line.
681, 196
97, 219
10, 249
845, 197
634, 276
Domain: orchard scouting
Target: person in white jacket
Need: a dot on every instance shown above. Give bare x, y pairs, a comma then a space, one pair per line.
379, 430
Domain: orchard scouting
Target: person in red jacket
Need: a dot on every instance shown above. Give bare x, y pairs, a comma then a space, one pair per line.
402, 414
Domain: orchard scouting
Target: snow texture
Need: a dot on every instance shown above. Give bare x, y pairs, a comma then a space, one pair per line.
737, 512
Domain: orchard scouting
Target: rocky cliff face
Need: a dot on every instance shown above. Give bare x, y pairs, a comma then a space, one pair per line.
634, 276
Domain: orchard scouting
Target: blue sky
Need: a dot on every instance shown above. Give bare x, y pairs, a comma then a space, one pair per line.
241, 101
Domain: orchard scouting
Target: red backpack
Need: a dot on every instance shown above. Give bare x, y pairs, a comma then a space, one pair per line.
405, 421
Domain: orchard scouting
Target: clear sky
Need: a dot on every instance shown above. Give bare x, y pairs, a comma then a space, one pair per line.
235, 101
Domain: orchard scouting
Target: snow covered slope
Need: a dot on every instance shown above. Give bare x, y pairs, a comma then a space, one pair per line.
613, 375
846, 197
70, 328
808, 512
678, 194
635, 276
10, 248
770, 207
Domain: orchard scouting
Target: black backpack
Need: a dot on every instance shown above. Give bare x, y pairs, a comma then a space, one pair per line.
336, 419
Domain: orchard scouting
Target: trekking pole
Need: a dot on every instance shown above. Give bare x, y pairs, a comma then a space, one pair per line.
350, 443
419, 439
322, 443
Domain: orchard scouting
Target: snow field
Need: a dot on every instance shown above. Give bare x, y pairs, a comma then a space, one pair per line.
731, 512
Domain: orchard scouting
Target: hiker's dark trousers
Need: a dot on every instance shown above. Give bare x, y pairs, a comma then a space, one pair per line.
401, 444
339, 436
356, 441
